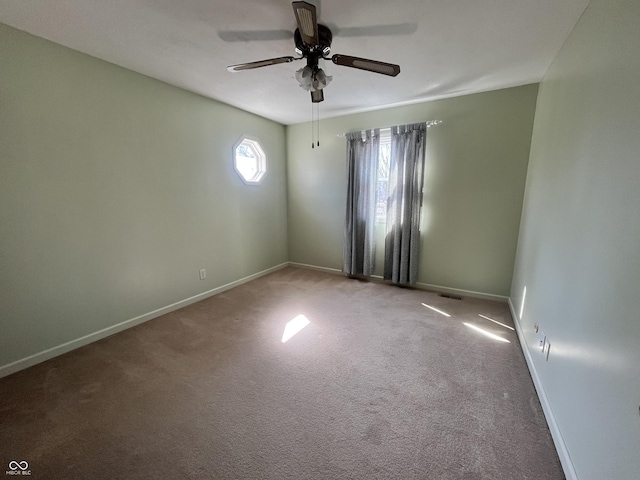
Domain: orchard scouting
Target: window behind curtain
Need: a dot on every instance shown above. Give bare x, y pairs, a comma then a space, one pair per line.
383, 175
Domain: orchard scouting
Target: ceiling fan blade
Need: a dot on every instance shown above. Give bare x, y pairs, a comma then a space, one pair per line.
307, 22
366, 64
317, 96
261, 63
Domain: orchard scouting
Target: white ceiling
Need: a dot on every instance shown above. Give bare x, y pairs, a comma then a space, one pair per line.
444, 47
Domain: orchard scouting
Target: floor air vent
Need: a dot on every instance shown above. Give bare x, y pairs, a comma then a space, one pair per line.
447, 295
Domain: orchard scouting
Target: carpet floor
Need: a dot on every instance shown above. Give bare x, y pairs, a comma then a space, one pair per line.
376, 386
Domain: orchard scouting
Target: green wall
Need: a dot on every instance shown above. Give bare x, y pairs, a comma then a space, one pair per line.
115, 190
474, 183
579, 247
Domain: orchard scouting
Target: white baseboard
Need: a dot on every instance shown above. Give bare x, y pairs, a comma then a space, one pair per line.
315, 267
561, 448
461, 292
421, 286
92, 337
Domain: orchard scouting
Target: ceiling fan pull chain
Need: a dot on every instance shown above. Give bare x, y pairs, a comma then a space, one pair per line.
313, 143
318, 124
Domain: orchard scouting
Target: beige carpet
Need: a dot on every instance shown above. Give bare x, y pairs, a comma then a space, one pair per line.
377, 386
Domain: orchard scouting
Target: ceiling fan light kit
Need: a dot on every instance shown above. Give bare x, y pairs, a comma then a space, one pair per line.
312, 80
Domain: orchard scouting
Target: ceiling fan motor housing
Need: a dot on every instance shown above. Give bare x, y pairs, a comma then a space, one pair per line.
314, 52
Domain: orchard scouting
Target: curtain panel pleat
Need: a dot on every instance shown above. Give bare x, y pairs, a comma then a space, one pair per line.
362, 167
406, 178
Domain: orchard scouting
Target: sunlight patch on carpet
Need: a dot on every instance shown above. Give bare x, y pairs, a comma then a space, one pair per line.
495, 321
436, 310
485, 333
294, 326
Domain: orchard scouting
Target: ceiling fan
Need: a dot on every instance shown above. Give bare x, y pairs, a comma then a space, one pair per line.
313, 42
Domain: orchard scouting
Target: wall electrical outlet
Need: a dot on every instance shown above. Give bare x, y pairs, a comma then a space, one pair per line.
542, 340
203, 274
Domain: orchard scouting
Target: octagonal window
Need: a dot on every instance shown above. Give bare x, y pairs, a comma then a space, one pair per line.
249, 160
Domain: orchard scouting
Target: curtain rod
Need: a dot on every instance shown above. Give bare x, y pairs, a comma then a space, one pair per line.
429, 123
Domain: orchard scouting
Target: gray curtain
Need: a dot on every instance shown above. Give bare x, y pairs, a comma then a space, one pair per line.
362, 167
406, 177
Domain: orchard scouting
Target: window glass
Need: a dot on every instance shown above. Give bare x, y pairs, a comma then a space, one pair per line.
249, 160
382, 188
